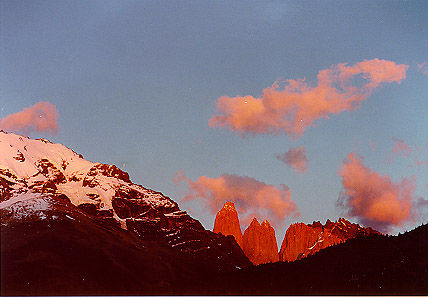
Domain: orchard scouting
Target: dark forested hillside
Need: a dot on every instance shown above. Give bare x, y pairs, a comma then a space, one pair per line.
367, 265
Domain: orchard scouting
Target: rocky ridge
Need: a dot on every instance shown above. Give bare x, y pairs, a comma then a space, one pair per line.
35, 173
302, 240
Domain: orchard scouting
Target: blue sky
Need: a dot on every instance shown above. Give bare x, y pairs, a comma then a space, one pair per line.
136, 82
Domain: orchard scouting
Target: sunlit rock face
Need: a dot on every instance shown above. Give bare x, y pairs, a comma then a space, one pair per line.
302, 240
227, 222
259, 243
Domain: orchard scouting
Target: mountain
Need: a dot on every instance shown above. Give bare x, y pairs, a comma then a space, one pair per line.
259, 243
70, 226
73, 227
302, 240
227, 222
367, 265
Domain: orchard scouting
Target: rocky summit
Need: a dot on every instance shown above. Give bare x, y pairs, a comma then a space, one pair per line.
259, 243
302, 240
227, 222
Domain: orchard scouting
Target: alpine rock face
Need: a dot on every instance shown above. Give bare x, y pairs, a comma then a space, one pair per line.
259, 243
227, 222
302, 240
36, 176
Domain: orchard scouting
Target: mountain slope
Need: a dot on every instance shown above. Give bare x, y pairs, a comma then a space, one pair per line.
56, 248
36, 174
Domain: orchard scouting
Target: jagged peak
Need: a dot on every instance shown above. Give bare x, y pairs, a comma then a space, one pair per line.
228, 206
302, 240
227, 222
329, 224
316, 224
266, 223
255, 222
259, 243
297, 224
343, 220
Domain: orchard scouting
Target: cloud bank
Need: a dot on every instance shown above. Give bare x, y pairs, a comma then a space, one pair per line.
41, 117
250, 196
295, 158
295, 106
373, 198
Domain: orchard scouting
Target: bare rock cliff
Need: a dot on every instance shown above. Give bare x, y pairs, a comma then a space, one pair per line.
259, 243
302, 240
227, 222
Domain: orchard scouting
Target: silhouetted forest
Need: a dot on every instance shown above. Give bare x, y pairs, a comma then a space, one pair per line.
367, 265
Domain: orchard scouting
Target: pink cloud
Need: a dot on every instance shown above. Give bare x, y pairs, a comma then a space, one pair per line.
41, 117
295, 106
373, 198
250, 196
400, 147
423, 67
295, 158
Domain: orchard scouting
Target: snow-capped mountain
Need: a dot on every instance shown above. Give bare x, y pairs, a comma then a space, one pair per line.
37, 178
28, 165
73, 227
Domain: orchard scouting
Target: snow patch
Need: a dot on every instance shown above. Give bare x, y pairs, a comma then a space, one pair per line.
172, 234
19, 198
184, 242
26, 205
178, 213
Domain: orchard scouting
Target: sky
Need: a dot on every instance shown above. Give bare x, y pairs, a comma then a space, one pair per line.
297, 111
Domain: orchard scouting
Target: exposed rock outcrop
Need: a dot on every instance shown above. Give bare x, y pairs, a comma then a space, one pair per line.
227, 222
302, 240
259, 243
